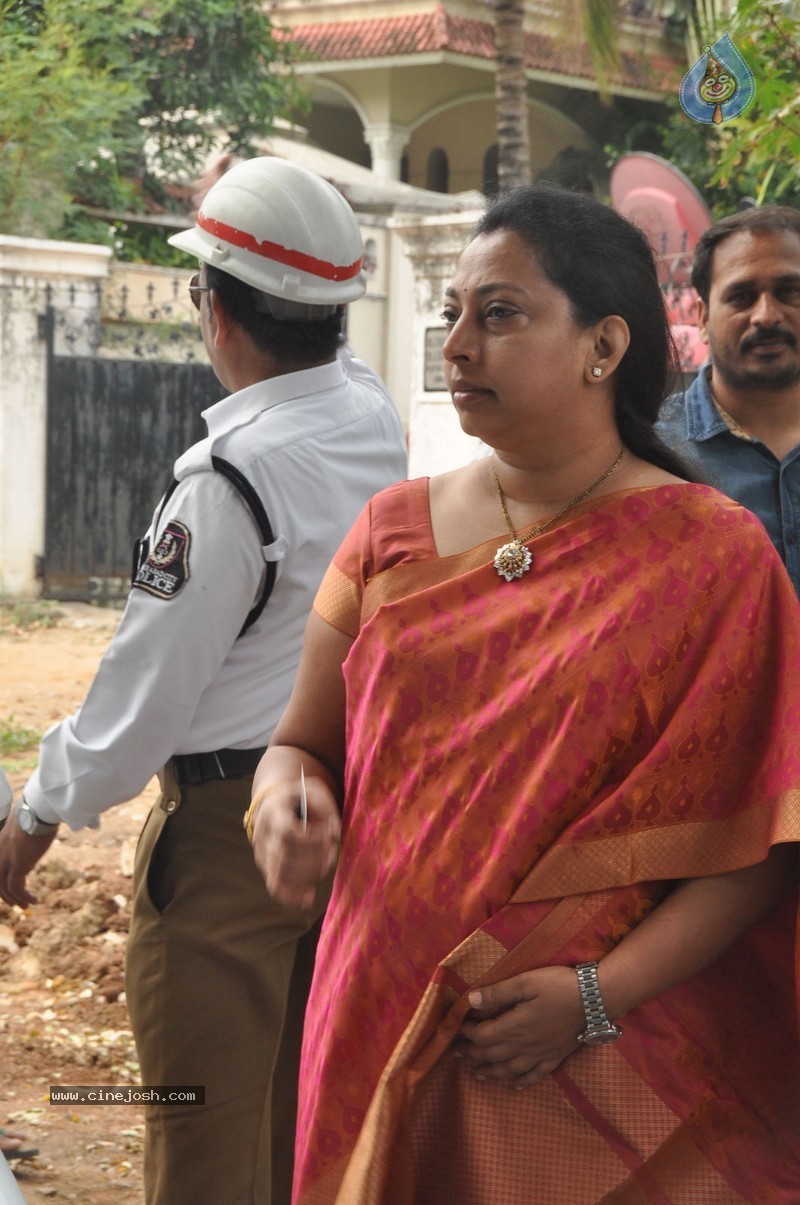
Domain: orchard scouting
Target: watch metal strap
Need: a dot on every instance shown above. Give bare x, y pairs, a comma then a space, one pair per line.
598, 1024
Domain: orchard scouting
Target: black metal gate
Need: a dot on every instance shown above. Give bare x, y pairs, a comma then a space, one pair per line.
114, 429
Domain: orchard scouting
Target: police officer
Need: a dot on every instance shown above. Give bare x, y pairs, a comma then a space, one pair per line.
201, 668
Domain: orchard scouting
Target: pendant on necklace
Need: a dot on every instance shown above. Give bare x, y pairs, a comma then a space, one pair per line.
512, 560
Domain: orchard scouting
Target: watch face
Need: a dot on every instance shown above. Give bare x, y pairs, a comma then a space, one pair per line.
30, 823
599, 1037
26, 819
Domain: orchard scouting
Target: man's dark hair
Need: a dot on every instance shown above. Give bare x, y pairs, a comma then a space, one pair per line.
772, 219
605, 266
294, 345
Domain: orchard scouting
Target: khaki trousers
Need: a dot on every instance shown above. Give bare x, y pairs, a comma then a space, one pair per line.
214, 968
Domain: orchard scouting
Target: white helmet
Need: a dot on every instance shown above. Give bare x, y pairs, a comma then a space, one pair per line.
283, 230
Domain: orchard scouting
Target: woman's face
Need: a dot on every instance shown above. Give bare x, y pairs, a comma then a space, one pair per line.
516, 362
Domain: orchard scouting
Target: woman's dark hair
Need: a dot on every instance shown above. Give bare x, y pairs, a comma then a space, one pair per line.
605, 266
293, 344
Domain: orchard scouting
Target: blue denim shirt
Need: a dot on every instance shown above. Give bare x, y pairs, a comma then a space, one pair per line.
740, 466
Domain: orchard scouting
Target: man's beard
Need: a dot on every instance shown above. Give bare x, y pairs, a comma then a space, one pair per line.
769, 377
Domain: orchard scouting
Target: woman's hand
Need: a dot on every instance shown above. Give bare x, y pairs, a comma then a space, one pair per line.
521, 1029
294, 857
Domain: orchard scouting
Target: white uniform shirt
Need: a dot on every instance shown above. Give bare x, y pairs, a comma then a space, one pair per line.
315, 445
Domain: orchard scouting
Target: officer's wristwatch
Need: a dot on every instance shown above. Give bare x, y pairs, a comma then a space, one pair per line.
599, 1029
30, 823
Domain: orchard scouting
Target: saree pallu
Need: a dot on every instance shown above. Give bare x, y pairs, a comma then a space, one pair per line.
531, 766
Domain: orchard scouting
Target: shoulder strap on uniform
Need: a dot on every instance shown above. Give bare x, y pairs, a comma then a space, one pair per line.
248, 493
141, 547
245, 489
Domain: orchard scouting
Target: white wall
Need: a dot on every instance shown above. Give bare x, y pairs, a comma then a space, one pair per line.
28, 269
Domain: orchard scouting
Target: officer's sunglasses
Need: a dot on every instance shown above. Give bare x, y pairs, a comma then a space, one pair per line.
195, 288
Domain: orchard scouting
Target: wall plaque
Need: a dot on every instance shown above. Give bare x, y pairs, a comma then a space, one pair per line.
434, 381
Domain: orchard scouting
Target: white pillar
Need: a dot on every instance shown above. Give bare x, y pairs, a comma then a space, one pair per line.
387, 142
433, 245
33, 274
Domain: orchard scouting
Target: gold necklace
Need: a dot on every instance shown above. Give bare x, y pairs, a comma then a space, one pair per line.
514, 559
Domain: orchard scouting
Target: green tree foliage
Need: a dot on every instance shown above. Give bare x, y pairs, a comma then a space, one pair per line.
57, 109
108, 102
765, 142
757, 154
217, 57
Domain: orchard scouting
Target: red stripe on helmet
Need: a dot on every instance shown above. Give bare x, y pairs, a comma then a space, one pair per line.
282, 255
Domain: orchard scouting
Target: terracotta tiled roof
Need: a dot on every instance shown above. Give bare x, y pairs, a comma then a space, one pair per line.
420, 33
415, 33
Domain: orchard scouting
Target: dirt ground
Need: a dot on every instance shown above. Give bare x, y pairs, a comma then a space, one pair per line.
63, 1018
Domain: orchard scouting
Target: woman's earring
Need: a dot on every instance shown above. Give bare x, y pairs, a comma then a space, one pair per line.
597, 371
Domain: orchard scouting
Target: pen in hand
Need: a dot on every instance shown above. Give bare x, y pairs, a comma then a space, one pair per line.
303, 804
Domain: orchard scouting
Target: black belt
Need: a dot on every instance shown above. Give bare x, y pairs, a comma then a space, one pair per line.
194, 768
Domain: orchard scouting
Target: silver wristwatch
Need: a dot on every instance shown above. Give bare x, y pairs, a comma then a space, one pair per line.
599, 1029
30, 823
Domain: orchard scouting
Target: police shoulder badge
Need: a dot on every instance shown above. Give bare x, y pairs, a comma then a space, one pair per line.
166, 568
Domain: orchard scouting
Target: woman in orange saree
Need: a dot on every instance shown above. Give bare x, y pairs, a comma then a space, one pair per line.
598, 763
537, 827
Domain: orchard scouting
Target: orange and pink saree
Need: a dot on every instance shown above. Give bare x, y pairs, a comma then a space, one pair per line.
531, 765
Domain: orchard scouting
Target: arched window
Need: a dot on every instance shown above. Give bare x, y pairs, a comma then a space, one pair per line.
490, 175
437, 177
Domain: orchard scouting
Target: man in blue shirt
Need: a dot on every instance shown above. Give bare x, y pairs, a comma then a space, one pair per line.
740, 419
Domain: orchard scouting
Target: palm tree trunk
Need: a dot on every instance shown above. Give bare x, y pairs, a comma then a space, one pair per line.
511, 95
593, 22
